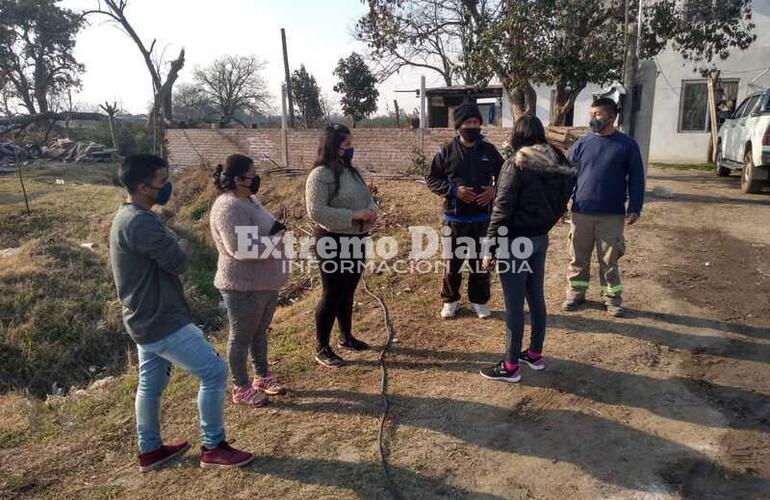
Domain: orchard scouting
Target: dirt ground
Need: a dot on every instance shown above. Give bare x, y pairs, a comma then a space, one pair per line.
670, 402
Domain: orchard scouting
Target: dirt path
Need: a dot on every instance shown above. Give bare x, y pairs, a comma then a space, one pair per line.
671, 402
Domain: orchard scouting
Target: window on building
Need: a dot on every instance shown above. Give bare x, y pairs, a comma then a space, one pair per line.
693, 105
693, 108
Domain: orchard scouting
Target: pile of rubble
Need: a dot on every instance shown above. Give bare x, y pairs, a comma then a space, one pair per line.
59, 149
68, 150
10, 152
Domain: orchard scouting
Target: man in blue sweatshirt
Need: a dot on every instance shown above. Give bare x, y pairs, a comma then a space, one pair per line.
609, 193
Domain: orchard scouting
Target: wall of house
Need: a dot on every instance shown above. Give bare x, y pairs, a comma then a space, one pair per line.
582, 106
382, 151
669, 144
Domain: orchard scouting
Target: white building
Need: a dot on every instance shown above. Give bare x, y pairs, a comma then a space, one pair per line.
679, 118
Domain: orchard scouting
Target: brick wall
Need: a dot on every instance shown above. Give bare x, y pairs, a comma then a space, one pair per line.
385, 151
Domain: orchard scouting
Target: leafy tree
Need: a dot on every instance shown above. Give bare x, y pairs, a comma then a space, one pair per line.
581, 48
357, 86
37, 42
307, 97
565, 44
432, 34
234, 84
702, 32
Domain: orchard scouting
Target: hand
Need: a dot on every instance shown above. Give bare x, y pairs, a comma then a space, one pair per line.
631, 218
487, 196
487, 263
185, 246
366, 215
466, 194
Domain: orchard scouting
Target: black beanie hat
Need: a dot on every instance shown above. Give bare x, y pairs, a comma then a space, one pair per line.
466, 111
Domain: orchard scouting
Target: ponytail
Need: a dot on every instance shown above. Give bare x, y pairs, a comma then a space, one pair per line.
235, 166
217, 176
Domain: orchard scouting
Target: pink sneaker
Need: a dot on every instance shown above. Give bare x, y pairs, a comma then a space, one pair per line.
268, 385
532, 359
248, 396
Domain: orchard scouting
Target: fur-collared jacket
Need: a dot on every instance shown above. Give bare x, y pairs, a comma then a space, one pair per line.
532, 191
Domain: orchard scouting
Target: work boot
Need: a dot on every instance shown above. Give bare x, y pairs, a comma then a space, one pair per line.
615, 311
572, 304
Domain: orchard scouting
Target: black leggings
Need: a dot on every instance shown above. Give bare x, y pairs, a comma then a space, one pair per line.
340, 275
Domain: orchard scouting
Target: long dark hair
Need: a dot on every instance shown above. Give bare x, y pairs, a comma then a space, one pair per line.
235, 166
528, 131
329, 143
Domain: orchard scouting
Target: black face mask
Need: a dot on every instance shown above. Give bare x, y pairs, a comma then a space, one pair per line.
471, 134
254, 185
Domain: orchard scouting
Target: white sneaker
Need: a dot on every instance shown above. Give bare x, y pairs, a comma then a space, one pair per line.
449, 310
481, 310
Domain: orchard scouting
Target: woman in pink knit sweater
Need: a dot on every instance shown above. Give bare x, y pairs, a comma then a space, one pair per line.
250, 270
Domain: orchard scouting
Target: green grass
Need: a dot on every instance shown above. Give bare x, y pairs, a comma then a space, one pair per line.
706, 167
13, 484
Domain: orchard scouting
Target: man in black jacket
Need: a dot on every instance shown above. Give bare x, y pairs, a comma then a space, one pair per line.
464, 173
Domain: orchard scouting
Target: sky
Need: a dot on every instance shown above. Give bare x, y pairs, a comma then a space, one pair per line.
318, 32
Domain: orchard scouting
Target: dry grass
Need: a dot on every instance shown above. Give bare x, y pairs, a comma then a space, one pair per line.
594, 425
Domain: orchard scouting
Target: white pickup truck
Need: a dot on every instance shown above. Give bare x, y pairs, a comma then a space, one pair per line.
744, 143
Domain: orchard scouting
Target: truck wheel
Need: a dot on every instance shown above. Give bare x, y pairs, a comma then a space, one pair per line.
718, 168
748, 184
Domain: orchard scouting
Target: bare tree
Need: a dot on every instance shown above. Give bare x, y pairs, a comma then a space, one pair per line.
162, 112
191, 104
328, 106
234, 84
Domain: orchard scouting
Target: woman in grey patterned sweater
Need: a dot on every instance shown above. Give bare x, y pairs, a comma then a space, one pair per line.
343, 209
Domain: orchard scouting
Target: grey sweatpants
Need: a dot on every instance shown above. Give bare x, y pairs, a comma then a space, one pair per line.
250, 314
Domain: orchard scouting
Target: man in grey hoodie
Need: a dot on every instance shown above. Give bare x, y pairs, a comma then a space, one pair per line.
147, 260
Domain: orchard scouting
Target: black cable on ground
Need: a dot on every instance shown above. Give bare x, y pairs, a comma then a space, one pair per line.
389, 483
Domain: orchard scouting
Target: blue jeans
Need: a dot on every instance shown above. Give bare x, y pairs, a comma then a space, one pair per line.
524, 278
190, 351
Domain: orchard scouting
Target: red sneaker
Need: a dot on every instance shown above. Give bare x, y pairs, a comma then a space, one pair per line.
155, 459
224, 456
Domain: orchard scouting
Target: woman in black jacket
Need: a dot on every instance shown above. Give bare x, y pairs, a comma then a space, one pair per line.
534, 187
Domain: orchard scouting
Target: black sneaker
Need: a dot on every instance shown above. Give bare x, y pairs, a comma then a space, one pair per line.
536, 363
498, 372
353, 344
329, 358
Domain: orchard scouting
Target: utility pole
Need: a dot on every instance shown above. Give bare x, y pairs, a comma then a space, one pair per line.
398, 117
289, 93
423, 101
284, 131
